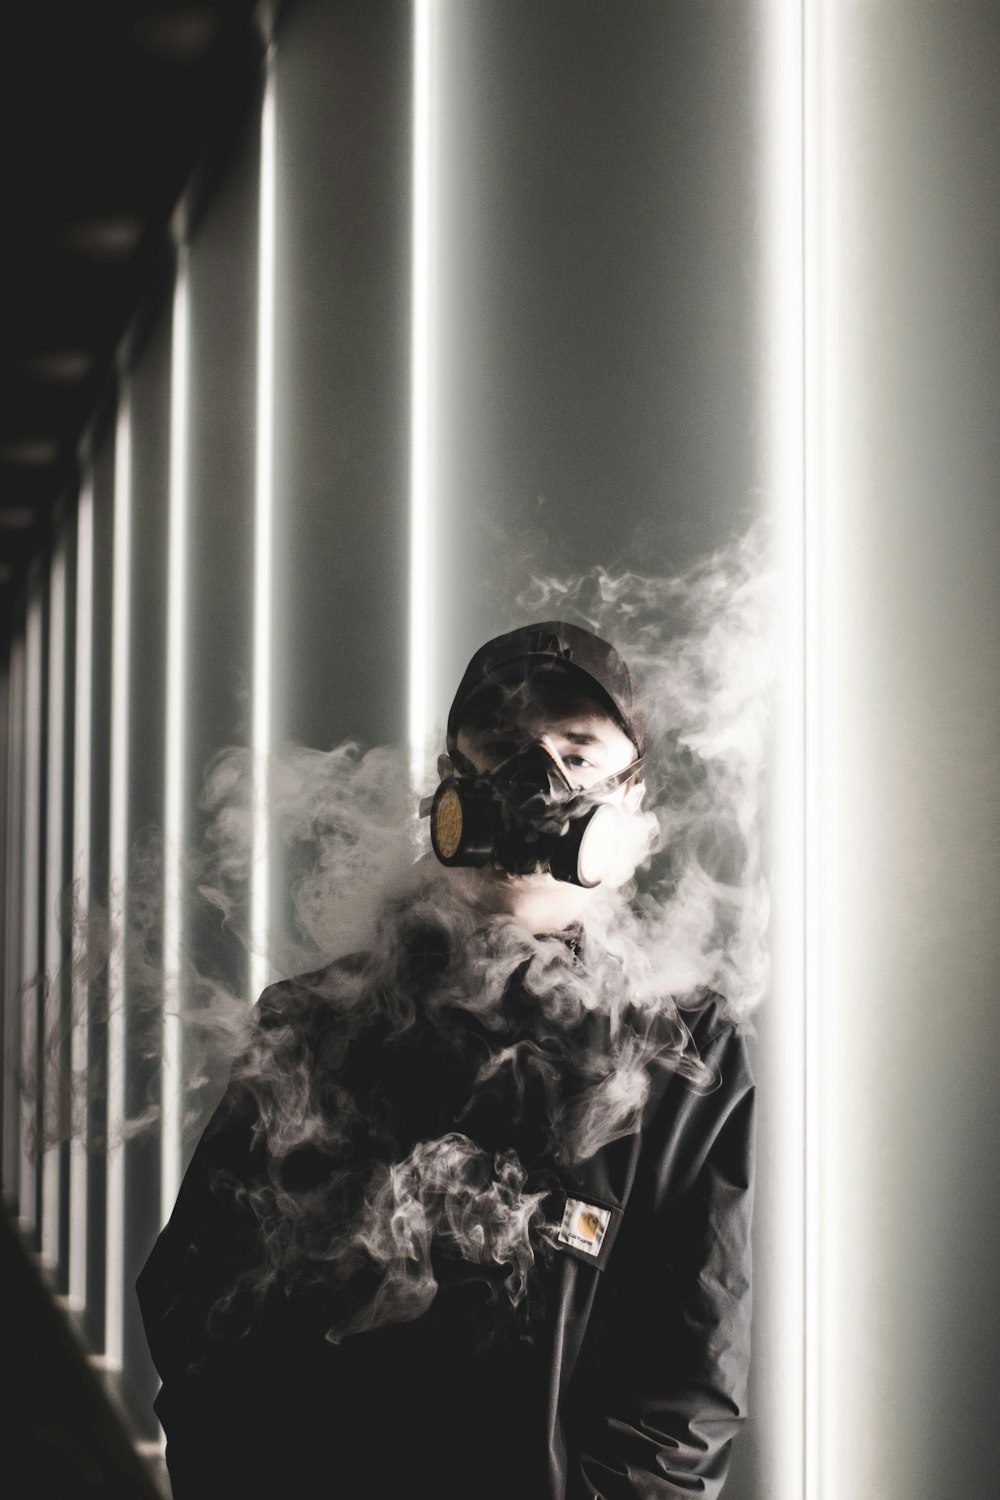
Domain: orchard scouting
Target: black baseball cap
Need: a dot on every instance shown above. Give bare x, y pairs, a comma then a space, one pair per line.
553, 646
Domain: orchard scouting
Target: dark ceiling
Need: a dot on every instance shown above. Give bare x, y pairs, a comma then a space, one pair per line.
105, 108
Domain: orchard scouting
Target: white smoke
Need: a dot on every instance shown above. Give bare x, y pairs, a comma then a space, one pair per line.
342, 821
394, 946
446, 1194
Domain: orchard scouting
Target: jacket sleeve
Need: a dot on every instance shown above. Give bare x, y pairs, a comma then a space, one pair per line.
201, 1322
208, 1344
193, 1263
666, 1386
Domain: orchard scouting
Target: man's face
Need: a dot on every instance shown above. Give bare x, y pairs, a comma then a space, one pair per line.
591, 745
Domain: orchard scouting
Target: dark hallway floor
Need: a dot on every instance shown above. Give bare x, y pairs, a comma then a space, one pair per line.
62, 1439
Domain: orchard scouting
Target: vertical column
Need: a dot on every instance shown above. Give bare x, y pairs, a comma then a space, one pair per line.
150, 860
7, 1082
342, 351
778, 1409
263, 645
80, 997
30, 978
824, 495
107, 444
114, 1252
423, 380
904, 682
52, 1070
222, 214
175, 789
14, 893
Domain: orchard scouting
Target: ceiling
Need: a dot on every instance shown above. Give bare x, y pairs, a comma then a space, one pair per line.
105, 108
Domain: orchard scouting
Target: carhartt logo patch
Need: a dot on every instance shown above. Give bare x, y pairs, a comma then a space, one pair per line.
584, 1226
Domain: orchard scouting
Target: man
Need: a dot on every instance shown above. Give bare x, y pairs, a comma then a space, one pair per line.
473, 1217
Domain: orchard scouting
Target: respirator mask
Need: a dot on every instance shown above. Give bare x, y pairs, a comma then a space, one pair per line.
526, 817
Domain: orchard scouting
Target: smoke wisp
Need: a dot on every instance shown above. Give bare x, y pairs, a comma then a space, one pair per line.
412, 1102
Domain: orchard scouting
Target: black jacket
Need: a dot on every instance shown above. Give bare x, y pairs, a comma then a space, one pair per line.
631, 1381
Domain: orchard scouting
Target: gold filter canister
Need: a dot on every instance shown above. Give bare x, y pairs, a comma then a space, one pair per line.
462, 823
447, 823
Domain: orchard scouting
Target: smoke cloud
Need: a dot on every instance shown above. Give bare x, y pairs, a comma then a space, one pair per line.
408, 990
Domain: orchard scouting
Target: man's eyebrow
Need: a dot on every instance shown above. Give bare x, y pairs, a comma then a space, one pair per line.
580, 737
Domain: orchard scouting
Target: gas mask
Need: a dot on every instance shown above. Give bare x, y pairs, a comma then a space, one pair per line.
526, 816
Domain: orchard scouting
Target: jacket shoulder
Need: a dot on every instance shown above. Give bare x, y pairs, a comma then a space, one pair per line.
308, 1000
708, 1016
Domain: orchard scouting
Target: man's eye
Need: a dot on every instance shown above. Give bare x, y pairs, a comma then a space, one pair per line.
576, 760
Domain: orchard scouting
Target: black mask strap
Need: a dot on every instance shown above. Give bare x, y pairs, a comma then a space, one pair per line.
616, 779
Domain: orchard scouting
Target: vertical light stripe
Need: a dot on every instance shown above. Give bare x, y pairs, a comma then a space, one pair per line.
423, 370
79, 977
782, 203
31, 870
263, 541
171, 1078
53, 1082
13, 930
823, 494
804, 243
812, 1487
118, 876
